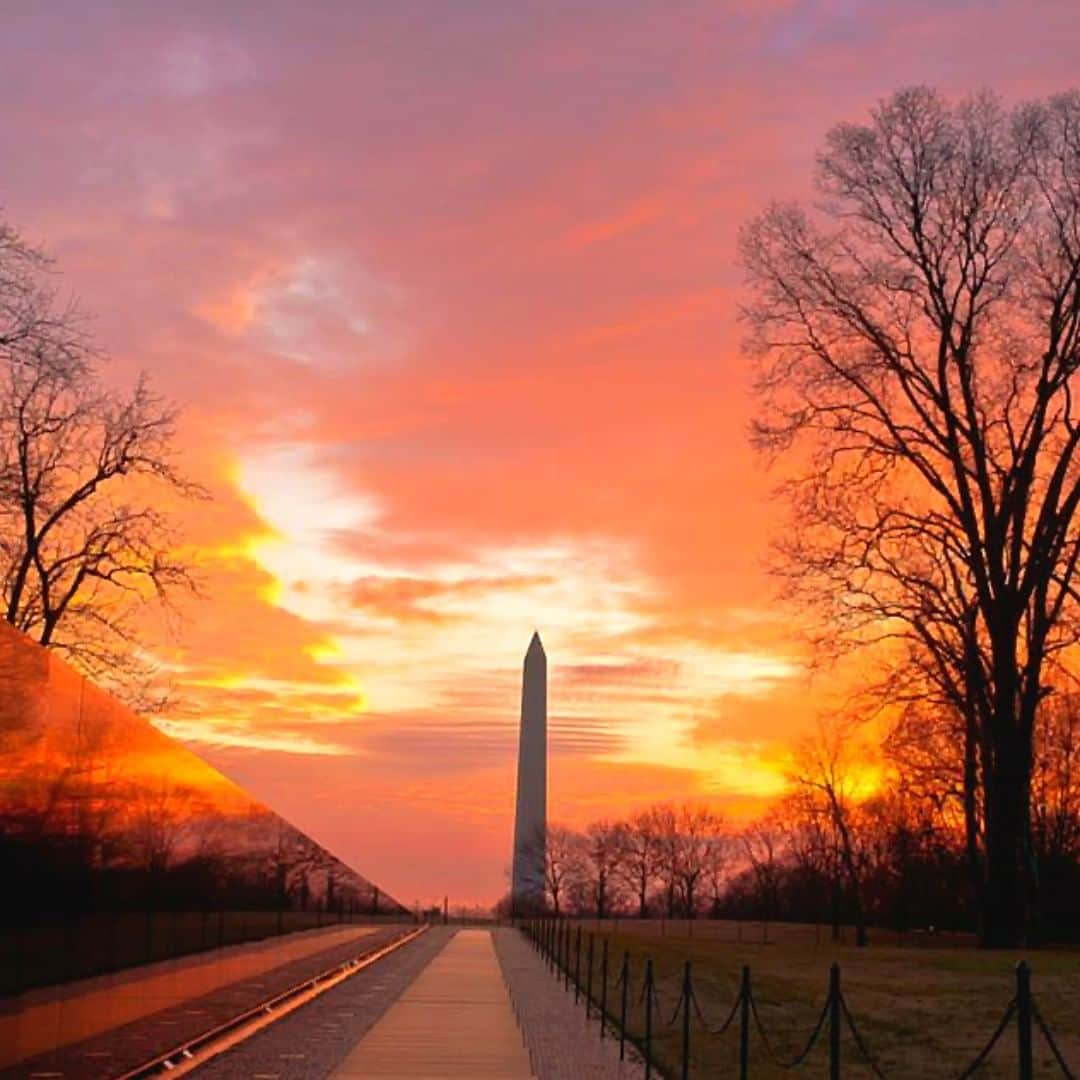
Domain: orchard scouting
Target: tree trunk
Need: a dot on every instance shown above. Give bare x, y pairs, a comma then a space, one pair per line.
975, 862
1008, 886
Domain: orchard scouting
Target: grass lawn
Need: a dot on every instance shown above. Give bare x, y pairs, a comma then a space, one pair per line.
923, 1011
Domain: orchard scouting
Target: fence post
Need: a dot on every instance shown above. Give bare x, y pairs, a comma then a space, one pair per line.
744, 1023
577, 964
625, 979
1023, 1020
687, 991
834, 1022
648, 1017
588, 982
603, 988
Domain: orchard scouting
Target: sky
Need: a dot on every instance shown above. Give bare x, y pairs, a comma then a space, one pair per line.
448, 294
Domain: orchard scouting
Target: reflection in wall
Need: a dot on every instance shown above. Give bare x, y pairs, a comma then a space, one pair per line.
101, 812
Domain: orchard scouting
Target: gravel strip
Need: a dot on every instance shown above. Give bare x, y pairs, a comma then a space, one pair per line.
562, 1044
311, 1042
114, 1052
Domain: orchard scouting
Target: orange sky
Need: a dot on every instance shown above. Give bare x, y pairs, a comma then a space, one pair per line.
448, 294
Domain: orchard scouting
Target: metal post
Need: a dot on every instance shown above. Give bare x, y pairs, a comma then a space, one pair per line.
1023, 1020
603, 988
566, 956
686, 995
577, 964
834, 1022
588, 982
744, 1023
625, 980
648, 1017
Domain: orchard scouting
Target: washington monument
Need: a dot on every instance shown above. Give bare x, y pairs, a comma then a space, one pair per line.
530, 820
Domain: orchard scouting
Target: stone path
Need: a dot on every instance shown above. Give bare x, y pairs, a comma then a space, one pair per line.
313, 1041
470, 1003
110, 1028
561, 1044
454, 1021
53, 1017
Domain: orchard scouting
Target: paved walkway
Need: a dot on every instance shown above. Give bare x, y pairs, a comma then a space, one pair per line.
455, 1020
48, 1019
563, 1045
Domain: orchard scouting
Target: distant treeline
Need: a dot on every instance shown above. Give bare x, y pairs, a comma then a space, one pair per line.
864, 836
256, 863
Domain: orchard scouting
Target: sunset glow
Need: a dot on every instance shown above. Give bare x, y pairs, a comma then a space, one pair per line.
451, 311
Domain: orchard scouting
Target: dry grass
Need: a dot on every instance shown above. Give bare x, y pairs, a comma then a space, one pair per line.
925, 1012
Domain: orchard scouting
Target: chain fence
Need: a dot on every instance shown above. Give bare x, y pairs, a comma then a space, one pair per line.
552, 939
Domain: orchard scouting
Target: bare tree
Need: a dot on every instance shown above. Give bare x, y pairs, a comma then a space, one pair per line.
562, 864
825, 790
695, 832
601, 851
84, 536
161, 815
762, 843
1056, 779
639, 852
918, 341
665, 828
718, 850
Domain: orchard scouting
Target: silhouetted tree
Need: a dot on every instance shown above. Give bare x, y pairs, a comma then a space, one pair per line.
919, 338
639, 854
825, 793
84, 535
562, 864
601, 852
